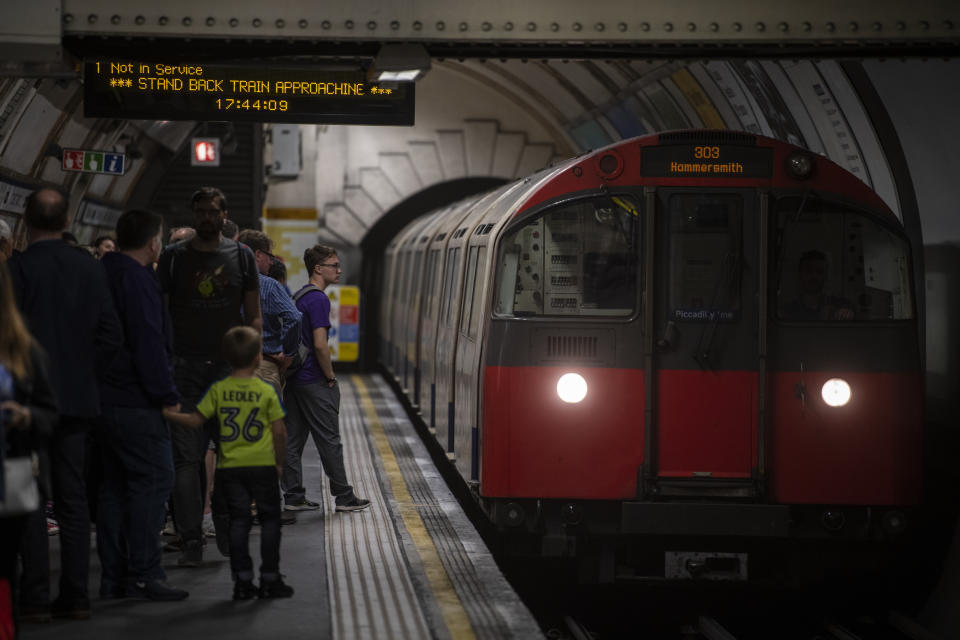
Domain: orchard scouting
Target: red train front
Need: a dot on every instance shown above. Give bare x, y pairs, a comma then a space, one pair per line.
692, 352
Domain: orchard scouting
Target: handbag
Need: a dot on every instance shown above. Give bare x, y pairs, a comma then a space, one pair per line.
21, 495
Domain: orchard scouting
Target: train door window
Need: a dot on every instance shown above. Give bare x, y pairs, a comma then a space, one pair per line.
415, 283
404, 276
452, 268
579, 259
477, 306
835, 264
433, 268
470, 281
705, 256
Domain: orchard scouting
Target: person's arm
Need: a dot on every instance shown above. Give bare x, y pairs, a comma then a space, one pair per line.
322, 350
279, 430
42, 402
290, 317
37, 409
109, 336
251, 310
143, 322
250, 283
194, 420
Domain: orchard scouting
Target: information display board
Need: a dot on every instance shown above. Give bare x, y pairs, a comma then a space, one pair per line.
707, 161
155, 91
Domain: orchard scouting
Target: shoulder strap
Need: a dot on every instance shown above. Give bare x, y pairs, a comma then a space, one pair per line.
305, 290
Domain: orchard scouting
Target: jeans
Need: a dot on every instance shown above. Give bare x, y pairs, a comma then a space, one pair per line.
240, 486
315, 409
193, 378
137, 478
67, 455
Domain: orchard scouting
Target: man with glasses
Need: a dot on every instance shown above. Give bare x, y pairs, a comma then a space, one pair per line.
210, 285
313, 397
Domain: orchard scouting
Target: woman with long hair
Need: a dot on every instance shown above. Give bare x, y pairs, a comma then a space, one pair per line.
29, 414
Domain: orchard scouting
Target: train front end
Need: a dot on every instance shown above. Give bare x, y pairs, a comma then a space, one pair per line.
703, 353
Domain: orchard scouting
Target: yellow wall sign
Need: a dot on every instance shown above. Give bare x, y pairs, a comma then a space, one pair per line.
344, 334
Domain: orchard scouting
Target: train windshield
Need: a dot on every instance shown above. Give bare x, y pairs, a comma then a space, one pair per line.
578, 259
705, 256
835, 264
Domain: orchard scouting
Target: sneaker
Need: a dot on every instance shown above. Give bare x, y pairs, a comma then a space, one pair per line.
208, 529
52, 527
301, 505
288, 517
354, 504
244, 590
192, 554
173, 545
158, 590
275, 589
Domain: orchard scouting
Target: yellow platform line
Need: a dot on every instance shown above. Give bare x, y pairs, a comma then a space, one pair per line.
451, 608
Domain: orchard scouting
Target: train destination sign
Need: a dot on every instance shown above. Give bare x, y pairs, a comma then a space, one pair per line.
707, 161
159, 91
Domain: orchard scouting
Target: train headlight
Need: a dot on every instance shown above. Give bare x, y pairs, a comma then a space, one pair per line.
571, 387
836, 392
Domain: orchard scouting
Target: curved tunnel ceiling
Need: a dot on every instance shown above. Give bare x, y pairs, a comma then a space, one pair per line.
499, 118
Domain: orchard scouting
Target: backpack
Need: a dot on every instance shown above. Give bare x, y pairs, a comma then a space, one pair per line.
303, 350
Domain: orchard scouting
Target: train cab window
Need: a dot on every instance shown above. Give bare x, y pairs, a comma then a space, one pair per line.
705, 256
578, 259
839, 265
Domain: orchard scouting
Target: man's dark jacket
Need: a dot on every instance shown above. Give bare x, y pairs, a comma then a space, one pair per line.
140, 375
63, 295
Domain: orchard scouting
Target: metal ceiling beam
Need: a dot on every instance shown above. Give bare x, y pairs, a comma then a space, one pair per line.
37, 36
568, 22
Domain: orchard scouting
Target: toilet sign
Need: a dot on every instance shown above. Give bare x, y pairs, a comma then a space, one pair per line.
87, 161
344, 335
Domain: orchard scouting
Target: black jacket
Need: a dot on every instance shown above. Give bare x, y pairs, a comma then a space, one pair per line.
140, 375
63, 295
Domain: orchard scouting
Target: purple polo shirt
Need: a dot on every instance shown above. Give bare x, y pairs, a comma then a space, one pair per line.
315, 307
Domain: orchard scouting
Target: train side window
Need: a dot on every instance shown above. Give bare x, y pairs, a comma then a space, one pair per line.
404, 276
433, 260
705, 256
452, 267
837, 265
577, 259
470, 281
477, 306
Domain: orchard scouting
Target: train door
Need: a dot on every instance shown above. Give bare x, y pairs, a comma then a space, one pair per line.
705, 357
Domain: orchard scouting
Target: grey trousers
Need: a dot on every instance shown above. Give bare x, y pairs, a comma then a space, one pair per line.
314, 409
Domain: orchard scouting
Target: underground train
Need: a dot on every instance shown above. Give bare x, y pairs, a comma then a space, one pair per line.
690, 355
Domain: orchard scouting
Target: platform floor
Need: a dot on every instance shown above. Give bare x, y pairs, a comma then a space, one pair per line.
411, 566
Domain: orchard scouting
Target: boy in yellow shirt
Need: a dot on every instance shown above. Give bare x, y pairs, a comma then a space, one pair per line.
252, 446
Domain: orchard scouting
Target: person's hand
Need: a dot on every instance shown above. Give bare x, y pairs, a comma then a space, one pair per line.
169, 410
280, 471
331, 382
16, 416
283, 362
